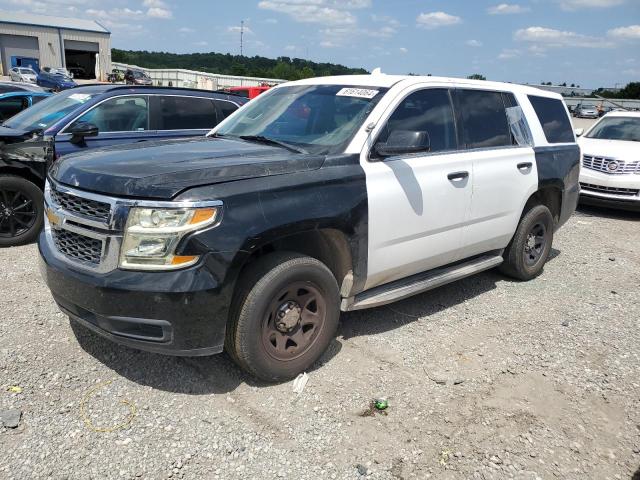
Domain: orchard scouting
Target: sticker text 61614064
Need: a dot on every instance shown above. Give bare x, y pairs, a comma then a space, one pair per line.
357, 92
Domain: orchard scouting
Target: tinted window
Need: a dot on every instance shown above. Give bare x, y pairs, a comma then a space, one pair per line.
122, 114
617, 128
428, 111
10, 106
183, 113
554, 119
35, 100
226, 108
484, 121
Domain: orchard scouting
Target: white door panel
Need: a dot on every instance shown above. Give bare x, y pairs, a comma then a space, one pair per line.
503, 180
416, 213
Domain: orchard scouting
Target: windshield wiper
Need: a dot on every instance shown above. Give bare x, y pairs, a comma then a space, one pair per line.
271, 141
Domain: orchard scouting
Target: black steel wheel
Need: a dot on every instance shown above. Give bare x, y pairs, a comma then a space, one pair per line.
284, 315
528, 251
21, 211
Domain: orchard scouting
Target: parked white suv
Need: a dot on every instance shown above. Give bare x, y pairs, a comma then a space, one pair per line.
319, 196
610, 174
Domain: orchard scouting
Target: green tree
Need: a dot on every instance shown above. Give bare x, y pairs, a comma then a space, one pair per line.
307, 72
476, 76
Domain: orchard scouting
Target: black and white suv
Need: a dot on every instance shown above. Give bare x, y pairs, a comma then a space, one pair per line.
321, 195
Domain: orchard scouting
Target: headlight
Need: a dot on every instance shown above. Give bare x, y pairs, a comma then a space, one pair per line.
152, 234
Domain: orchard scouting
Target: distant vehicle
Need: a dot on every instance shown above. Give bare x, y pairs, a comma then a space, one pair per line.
12, 103
6, 87
22, 74
585, 111
137, 77
78, 72
60, 70
249, 92
86, 118
116, 75
610, 174
55, 81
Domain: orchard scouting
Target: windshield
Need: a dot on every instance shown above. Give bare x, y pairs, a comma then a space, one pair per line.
617, 128
26, 71
48, 111
590, 107
317, 118
139, 75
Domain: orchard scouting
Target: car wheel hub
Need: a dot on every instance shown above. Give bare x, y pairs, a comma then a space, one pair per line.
289, 314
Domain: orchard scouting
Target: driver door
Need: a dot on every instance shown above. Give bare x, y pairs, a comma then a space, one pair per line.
419, 202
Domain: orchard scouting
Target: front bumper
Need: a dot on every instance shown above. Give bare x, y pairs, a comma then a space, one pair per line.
180, 312
610, 190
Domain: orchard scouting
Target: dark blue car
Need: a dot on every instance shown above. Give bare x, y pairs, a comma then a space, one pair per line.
55, 81
90, 117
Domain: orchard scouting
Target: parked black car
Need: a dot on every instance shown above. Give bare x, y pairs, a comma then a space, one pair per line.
87, 118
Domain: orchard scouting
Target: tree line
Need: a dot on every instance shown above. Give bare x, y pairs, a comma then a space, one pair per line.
224, 63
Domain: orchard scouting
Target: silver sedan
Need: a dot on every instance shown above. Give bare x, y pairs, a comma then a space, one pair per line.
23, 74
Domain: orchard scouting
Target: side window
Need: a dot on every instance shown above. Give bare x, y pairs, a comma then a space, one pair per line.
11, 106
35, 100
427, 110
183, 113
225, 108
553, 118
121, 114
484, 120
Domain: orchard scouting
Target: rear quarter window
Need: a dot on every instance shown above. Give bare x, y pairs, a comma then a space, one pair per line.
553, 118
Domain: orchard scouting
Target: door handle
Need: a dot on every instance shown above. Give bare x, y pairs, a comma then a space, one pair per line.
525, 165
457, 175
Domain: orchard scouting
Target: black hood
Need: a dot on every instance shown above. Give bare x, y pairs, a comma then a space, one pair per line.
166, 168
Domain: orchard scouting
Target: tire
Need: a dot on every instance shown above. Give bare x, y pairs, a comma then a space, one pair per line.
298, 291
528, 251
21, 211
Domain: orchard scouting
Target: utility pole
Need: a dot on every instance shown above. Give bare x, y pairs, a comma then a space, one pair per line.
241, 35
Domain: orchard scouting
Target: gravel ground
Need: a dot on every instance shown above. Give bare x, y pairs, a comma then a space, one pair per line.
486, 378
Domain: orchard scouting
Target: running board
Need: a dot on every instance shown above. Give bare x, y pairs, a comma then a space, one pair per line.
422, 282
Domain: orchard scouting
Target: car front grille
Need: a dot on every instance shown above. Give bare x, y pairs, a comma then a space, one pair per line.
77, 247
82, 206
610, 165
630, 192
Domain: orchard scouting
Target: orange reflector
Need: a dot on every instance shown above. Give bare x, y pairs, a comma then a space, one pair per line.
179, 260
202, 215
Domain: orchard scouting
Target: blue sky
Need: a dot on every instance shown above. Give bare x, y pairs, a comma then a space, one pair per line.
588, 42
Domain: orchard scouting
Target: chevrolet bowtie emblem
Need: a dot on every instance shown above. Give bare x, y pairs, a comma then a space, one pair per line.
54, 220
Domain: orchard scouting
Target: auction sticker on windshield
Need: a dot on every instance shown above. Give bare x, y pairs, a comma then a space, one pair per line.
357, 92
81, 97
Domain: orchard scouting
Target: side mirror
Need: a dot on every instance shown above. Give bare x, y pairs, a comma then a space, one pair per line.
402, 142
578, 131
81, 130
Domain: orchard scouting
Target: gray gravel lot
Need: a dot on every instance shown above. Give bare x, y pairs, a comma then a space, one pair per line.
547, 377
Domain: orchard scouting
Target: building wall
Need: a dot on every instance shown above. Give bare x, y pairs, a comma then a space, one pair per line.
49, 43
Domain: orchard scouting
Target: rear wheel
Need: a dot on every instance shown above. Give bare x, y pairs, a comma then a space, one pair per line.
525, 256
283, 317
21, 211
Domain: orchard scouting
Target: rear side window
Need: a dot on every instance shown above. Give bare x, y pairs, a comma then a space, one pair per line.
553, 118
428, 111
10, 106
183, 113
35, 100
484, 120
225, 108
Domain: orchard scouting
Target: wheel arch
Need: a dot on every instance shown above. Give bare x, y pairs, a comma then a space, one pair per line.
550, 196
25, 172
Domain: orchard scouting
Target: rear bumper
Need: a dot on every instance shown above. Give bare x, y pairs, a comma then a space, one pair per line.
176, 313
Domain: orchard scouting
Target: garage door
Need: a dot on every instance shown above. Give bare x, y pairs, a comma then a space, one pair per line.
17, 46
81, 46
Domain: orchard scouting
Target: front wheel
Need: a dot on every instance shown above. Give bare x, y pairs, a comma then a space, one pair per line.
525, 256
284, 316
21, 211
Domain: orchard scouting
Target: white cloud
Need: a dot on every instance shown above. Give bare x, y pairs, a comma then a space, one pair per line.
403, 50
290, 48
186, 30
328, 44
579, 4
507, 9
473, 43
202, 43
115, 13
236, 29
508, 54
157, 9
436, 19
551, 38
390, 21
632, 32
326, 12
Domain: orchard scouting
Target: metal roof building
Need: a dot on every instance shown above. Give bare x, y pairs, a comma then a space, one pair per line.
82, 46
